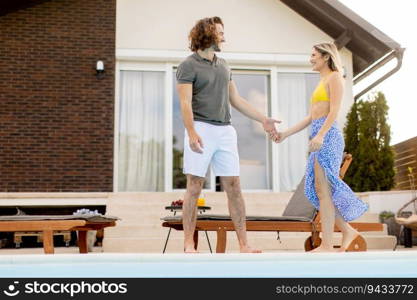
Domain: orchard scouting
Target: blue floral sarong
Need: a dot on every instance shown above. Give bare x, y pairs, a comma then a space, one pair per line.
329, 156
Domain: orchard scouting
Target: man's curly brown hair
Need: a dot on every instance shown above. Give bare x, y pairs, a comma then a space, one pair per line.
203, 35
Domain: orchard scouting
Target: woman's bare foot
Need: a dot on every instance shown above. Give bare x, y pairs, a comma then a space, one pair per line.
348, 239
247, 249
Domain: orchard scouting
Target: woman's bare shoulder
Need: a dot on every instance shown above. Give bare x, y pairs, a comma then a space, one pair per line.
335, 78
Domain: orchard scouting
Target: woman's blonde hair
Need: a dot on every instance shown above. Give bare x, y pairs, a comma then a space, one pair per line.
334, 62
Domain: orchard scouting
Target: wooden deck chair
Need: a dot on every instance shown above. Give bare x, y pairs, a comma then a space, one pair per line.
47, 224
298, 216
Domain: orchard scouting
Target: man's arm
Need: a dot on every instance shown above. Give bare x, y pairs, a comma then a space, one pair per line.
185, 92
250, 111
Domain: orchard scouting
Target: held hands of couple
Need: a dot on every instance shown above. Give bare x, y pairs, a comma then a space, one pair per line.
281, 136
269, 127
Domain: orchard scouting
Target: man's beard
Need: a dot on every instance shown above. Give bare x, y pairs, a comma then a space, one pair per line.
216, 47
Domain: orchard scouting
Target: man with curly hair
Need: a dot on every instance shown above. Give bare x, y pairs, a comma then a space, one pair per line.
206, 91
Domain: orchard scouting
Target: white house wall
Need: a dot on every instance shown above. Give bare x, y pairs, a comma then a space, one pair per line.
251, 26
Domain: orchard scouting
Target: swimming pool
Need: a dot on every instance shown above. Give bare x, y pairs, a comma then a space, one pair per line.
265, 265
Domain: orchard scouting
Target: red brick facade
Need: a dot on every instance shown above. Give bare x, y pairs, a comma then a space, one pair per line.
56, 117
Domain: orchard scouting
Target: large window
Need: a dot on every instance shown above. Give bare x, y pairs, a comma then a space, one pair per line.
253, 144
141, 131
149, 121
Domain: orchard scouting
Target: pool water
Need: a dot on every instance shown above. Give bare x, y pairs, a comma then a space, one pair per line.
265, 265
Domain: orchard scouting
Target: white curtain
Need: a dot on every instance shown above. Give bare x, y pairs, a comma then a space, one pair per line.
141, 131
294, 91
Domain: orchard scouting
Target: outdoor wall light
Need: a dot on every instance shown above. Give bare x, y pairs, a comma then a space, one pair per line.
99, 69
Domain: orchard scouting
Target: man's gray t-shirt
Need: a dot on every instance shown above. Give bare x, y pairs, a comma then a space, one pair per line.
210, 80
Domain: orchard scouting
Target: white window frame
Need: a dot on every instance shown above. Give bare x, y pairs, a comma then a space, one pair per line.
167, 60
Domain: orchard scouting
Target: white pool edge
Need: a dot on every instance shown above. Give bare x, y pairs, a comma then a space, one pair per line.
203, 257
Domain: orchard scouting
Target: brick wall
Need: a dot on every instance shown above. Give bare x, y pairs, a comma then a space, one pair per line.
56, 117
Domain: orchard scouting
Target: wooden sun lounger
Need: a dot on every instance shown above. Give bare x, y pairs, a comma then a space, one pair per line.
222, 226
48, 224
286, 223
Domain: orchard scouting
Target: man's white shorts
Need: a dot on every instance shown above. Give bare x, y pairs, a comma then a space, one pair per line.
219, 149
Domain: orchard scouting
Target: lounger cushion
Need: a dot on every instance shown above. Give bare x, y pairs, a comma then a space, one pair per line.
91, 218
299, 205
248, 218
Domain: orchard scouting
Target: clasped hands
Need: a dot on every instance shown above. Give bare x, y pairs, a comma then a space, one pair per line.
278, 137
269, 127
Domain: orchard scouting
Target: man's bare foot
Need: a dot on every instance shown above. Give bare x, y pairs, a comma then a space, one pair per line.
321, 249
190, 249
248, 249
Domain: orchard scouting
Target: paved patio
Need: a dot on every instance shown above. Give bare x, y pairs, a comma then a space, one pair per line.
74, 250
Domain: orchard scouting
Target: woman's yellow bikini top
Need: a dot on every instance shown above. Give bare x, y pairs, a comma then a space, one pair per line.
320, 93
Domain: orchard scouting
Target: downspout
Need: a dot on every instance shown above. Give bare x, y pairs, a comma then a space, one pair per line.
396, 53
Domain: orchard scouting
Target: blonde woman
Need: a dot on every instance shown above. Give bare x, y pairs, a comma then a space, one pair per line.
323, 187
